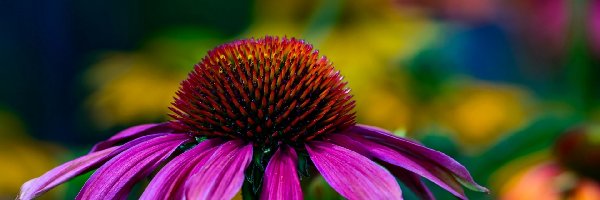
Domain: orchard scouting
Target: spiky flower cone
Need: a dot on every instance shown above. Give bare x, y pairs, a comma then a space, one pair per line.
265, 91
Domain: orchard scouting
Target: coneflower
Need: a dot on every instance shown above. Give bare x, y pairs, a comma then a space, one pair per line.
256, 114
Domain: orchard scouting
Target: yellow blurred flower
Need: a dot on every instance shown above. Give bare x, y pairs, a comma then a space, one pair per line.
134, 87
480, 113
391, 111
130, 89
21, 161
22, 158
368, 45
368, 55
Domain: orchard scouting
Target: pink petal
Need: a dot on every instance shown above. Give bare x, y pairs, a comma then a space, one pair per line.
133, 132
401, 159
281, 176
38, 186
222, 176
69, 170
115, 179
168, 182
351, 174
412, 181
437, 158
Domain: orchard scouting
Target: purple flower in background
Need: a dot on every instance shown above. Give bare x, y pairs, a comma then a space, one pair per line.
254, 114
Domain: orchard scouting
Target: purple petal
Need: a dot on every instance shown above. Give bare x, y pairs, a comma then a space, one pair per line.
168, 182
401, 144
71, 169
36, 187
222, 176
401, 159
133, 132
281, 176
115, 179
412, 181
351, 174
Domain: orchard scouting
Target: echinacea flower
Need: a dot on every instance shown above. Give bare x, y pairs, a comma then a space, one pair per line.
254, 113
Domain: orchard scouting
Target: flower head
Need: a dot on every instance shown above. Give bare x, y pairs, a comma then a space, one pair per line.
254, 113
266, 91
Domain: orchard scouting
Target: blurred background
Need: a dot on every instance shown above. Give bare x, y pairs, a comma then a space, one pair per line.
510, 88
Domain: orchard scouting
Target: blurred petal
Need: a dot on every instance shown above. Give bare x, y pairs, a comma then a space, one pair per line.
438, 158
36, 187
351, 174
167, 184
133, 132
422, 167
222, 176
281, 176
115, 179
